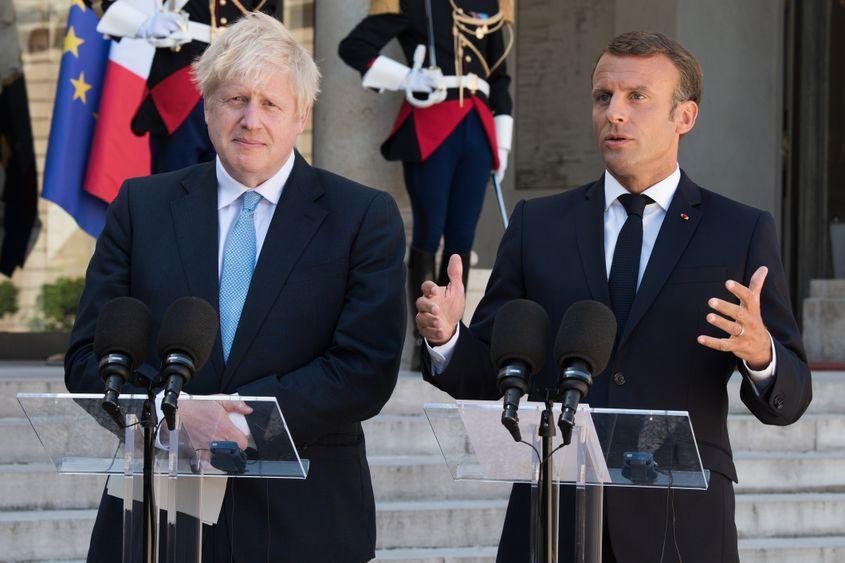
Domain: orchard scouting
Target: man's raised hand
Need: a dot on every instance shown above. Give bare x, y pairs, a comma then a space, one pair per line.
440, 309
748, 338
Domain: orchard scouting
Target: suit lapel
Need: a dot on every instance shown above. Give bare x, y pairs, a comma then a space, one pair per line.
678, 227
589, 230
195, 223
295, 221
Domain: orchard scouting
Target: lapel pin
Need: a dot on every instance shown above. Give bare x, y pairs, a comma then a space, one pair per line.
684, 216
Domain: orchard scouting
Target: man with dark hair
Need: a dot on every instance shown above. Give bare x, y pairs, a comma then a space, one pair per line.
695, 281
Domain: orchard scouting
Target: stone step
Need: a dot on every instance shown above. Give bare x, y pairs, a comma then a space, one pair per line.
45, 534
437, 555
778, 472
827, 549
26, 377
468, 523
812, 432
394, 434
764, 550
784, 515
418, 531
426, 477
20, 442
38, 486
410, 395
429, 524
400, 434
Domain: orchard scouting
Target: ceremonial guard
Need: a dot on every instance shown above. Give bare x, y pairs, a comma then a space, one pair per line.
455, 125
181, 30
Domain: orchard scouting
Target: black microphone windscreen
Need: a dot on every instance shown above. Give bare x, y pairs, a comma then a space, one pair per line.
123, 327
520, 332
189, 326
587, 332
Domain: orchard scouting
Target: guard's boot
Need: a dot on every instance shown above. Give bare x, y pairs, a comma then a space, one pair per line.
420, 269
443, 275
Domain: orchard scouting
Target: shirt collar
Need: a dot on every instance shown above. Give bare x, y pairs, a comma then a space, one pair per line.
661, 192
229, 189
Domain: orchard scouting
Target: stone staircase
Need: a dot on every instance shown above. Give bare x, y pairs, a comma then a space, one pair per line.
790, 501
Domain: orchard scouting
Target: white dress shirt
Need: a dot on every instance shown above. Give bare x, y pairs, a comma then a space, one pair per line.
614, 218
229, 205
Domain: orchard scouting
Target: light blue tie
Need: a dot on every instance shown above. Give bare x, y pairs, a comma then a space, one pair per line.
238, 264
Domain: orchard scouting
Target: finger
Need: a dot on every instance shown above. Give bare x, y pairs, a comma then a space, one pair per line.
426, 321
236, 406
426, 305
731, 310
720, 344
429, 288
741, 292
757, 281
732, 328
456, 271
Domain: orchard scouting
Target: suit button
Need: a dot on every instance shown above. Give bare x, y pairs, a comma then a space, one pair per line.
224, 21
619, 378
777, 401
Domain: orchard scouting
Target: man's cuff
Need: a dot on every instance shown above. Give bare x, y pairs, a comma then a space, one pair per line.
442, 355
762, 378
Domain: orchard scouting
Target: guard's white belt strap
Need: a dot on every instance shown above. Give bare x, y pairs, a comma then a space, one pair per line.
472, 82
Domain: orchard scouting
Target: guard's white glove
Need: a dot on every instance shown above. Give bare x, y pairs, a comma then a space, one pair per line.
418, 81
503, 164
165, 29
504, 136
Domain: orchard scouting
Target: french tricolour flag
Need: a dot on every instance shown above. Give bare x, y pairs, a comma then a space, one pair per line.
116, 152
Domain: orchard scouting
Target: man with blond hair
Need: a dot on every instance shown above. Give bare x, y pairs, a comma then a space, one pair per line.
305, 269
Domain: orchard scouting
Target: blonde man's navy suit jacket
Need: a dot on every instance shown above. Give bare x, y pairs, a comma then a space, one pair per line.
321, 330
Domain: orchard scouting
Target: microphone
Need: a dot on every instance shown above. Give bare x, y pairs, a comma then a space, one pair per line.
582, 348
120, 343
185, 340
518, 350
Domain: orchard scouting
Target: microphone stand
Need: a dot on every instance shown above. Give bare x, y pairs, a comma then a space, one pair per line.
149, 422
547, 431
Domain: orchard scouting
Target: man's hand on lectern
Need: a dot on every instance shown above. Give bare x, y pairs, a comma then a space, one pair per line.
440, 309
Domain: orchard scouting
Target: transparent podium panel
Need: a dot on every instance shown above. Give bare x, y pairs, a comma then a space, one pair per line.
622, 447
609, 448
214, 438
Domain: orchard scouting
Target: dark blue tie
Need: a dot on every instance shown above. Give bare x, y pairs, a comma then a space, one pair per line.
625, 268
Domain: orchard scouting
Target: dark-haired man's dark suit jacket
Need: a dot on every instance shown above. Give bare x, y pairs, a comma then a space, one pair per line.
553, 253
321, 330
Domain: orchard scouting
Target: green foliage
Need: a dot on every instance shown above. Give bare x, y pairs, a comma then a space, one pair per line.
8, 298
58, 302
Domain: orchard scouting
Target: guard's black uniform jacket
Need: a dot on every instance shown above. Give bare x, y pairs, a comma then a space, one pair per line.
171, 93
406, 20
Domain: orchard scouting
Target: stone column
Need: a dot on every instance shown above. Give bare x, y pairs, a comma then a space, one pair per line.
351, 122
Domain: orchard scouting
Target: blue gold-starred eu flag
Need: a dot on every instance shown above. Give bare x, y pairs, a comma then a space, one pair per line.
85, 54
